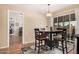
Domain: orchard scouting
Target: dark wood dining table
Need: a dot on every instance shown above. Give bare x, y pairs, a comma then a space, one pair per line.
52, 32
77, 46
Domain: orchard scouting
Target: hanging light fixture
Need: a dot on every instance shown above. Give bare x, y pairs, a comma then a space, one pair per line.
49, 14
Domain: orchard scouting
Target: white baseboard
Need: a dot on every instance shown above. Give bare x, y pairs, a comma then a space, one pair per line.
4, 47
28, 42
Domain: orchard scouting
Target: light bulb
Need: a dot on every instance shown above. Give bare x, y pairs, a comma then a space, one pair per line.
49, 14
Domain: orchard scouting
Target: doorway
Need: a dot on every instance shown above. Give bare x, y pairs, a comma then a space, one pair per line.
15, 28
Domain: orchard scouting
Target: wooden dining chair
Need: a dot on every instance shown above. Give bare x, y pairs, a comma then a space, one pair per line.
40, 39
61, 37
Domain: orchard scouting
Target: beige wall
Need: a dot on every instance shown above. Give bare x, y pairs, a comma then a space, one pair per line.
31, 20
3, 27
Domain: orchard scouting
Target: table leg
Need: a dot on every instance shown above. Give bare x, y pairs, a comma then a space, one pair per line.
63, 46
50, 41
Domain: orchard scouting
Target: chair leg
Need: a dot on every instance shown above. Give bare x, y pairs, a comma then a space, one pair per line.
66, 46
22, 52
45, 44
35, 45
63, 46
39, 47
53, 44
41, 42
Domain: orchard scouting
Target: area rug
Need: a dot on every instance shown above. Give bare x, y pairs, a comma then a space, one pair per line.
53, 51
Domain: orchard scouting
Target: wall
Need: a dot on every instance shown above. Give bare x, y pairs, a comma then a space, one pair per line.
77, 19
31, 20
3, 33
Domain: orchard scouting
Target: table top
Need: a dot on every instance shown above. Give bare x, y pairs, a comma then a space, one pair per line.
76, 35
54, 31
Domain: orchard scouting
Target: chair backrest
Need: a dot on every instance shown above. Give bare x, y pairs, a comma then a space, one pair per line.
64, 34
39, 34
36, 33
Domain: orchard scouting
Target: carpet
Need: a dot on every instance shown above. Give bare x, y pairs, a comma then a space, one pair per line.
58, 50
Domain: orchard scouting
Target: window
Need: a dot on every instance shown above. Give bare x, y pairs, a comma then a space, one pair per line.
72, 17
66, 18
55, 20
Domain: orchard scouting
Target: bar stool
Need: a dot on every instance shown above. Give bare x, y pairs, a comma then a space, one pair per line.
61, 38
40, 39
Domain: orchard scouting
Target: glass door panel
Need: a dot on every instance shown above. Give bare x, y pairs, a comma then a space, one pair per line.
55, 23
66, 25
60, 24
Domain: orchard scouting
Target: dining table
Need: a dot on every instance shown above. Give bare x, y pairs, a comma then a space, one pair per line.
50, 35
77, 43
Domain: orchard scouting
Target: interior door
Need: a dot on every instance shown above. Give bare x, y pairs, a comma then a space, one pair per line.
15, 23
18, 20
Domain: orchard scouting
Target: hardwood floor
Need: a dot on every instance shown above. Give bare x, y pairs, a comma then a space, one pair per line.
16, 45
15, 49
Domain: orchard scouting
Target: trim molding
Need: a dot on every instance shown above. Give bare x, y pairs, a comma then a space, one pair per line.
8, 24
28, 42
4, 47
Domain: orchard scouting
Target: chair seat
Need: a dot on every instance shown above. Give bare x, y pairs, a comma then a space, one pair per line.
42, 38
58, 37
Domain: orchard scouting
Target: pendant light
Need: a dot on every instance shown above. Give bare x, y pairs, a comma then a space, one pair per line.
49, 14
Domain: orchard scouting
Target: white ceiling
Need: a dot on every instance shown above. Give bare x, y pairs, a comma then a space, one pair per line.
43, 8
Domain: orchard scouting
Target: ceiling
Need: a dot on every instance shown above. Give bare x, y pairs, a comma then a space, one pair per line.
43, 8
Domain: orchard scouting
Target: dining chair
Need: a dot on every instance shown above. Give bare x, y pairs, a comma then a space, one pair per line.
61, 37
40, 40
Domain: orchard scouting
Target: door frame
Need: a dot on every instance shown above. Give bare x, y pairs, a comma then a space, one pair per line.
8, 12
